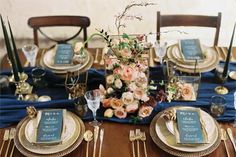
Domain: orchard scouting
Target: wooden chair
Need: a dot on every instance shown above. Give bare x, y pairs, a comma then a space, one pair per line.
189, 20
54, 21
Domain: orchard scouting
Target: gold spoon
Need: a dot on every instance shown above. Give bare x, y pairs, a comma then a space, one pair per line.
88, 136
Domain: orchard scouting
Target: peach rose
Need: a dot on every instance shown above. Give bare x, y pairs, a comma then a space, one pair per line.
145, 111
127, 98
116, 103
108, 113
187, 91
106, 102
110, 79
131, 108
120, 113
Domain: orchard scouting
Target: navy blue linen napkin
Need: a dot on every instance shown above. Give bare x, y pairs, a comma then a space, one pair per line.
12, 110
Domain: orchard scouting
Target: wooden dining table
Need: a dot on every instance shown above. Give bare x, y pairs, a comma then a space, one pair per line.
116, 136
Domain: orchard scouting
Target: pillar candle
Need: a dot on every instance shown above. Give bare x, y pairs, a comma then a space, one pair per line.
9, 52
15, 50
225, 72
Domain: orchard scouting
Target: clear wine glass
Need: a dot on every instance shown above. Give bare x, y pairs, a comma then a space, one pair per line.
93, 100
30, 51
160, 50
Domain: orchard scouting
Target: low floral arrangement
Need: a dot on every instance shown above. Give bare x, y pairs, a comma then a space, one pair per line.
127, 89
178, 89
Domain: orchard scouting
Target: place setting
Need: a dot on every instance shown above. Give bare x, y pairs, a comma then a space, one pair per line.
185, 131
54, 132
66, 57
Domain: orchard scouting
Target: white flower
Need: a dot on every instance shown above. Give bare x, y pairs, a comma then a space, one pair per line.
110, 79
118, 83
78, 46
110, 90
132, 86
127, 98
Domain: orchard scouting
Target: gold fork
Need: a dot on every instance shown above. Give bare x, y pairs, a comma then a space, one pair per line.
5, 138
143, 138
224, 138
137, 137
132, 139
11, 136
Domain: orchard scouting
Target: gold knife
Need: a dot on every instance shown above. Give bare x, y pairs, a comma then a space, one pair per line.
5, 138
101, 141
96, 132
224, 138
230, 133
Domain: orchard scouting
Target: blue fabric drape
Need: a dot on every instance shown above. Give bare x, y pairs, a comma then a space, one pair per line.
12, 110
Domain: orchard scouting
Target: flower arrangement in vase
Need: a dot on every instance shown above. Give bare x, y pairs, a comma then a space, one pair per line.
127, 71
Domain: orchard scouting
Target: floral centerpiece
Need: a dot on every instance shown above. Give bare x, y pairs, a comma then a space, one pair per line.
127, 89
126, 65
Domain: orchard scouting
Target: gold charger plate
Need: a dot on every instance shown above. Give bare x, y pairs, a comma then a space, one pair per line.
24, 146
62, 73
48, 61
215, 143
208, 64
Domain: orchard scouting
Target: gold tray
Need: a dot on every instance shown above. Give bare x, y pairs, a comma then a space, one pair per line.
175, 152
20, 135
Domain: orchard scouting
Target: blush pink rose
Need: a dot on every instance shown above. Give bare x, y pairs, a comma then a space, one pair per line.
127, 73
145, 111
138, 93
131, 108
120, 113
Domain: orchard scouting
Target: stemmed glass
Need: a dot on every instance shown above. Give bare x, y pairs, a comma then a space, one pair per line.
30, 51
160, 50
93, 100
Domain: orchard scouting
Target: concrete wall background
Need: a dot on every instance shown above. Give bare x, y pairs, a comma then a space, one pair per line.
102, 15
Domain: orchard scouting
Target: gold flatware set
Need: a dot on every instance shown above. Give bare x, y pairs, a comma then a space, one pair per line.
224, 136
89, 136
8, 137
137, 136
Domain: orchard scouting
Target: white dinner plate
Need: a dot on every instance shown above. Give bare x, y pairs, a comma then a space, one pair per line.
209, 63
69, 137
48, 61
170, 140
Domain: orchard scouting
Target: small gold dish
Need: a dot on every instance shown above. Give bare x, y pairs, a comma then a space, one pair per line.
221, 90
232, 75
44, 98
31, 97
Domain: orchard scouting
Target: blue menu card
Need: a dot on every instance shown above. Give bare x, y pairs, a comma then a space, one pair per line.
189, 127
64, 54
50, 126
191, 49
